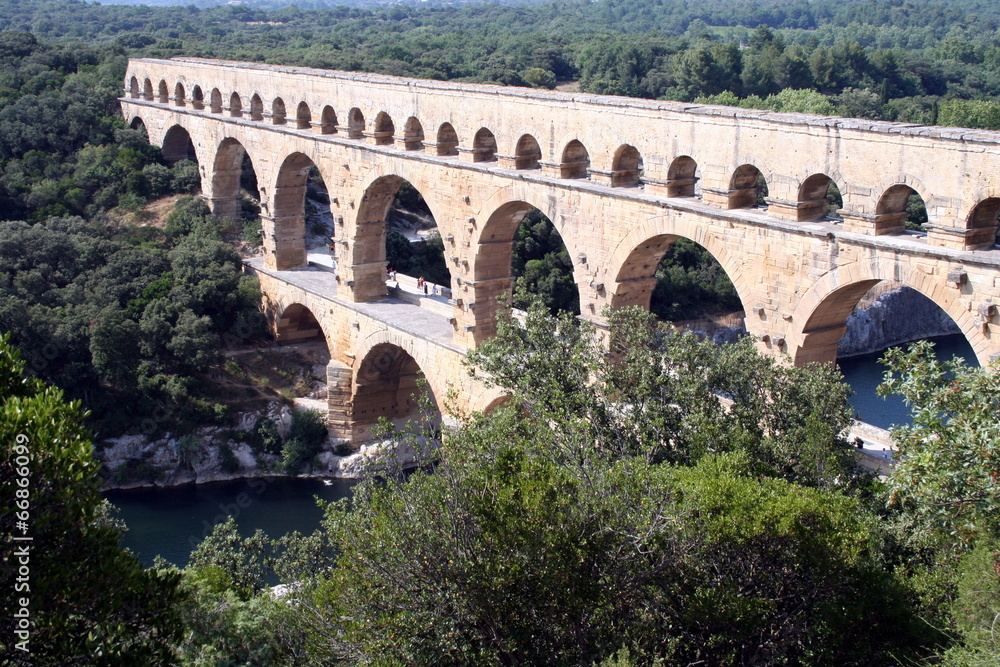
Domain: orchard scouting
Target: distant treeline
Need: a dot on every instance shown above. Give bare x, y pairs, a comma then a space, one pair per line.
887, 60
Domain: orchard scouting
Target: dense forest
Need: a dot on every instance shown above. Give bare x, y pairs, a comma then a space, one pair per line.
614, 513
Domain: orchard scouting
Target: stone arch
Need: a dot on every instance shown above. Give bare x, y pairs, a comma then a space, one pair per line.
288, 200
634, 261
682, 177
197, 98
575, 161
493, 402
384, 380
746, 187
413, 134
484, 146
162, 93
138, 124
133, 88
384, 129
328, 121
303, 117
297, 323
278, 111
227, 168
256, 107
215, 100
177, 145
823, 310
812, 198
147, 90
355, 123
527, 153
447, 140
179, 97
492, 275
626, 167
235, 105
982, 224
891, 210
367, 246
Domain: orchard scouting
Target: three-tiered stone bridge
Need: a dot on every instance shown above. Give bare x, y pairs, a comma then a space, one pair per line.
621, 179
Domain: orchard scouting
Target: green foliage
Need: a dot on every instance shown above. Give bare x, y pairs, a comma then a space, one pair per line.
690, 283
542, 266
946, 478
600, 552
102, 310
87, 595
306, 437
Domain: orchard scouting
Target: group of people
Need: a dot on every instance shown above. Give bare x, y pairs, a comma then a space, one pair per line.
429, 289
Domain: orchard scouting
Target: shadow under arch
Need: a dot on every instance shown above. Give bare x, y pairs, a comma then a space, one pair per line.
747, 188
386, 385
826, 306
227, 172
297, 324
177, 145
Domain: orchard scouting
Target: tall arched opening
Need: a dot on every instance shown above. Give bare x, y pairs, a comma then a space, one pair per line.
819, 199
235, 194
747, 188
682, 177
398, 237
626, 168
853, 326
303, 117
177, 146
679, 281
900, 208
484, 146
384, 130
984, 225
256, 108
518, 247
413, 135
575, 161
447, 140
387, 386
301, 224
527, 153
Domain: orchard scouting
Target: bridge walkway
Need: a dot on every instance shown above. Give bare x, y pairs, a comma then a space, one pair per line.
402, 315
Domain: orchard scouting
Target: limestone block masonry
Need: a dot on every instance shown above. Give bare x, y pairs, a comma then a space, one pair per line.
620, 178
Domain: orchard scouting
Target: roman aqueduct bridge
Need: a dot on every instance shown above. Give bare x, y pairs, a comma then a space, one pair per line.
620, 178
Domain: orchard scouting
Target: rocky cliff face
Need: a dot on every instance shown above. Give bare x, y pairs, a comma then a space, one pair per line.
900, 316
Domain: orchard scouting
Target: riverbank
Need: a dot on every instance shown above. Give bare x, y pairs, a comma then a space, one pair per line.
217, 454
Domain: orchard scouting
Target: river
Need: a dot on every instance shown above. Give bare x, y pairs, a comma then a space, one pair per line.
171, 521
864, 373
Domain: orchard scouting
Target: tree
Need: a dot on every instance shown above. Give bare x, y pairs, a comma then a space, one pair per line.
551, 531
949, 456
86, 595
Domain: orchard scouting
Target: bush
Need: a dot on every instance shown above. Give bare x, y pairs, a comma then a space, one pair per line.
305, 439
228, 460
